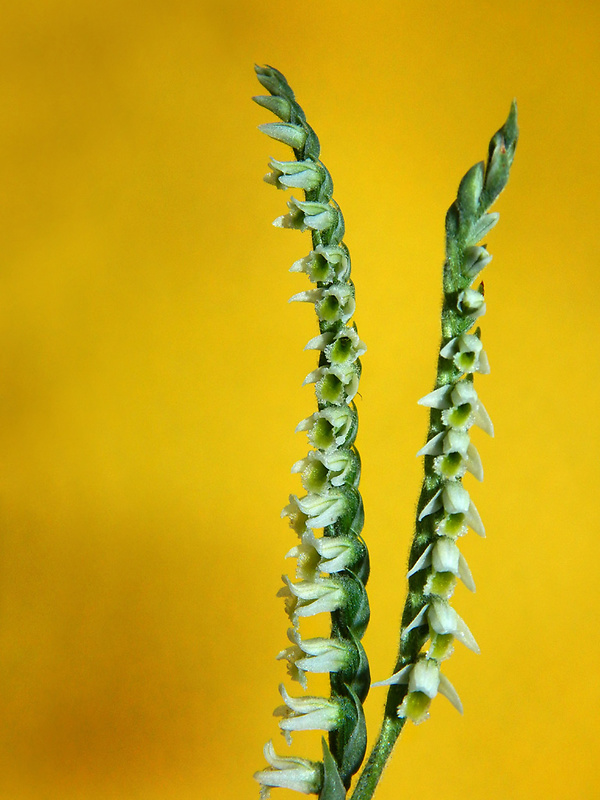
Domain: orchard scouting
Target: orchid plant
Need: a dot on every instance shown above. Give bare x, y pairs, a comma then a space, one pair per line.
332, 563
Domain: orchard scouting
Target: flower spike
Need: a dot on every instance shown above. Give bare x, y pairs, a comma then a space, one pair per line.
445, 509
332, 562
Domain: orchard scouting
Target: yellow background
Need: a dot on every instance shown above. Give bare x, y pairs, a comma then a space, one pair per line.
151, 369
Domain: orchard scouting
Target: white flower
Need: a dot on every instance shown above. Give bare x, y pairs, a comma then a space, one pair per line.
306, 214
467, 353
461, 406
444, 620
471, 302
307, 713
475, 259
288, 772
322, 509
337, 552
332, 427
296, 516
308, 557
337, 383
305, 175
314, 655
424, 681
307, 598
325, 264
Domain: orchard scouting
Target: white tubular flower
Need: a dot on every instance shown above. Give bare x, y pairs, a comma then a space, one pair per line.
307, 598
455, 500
305, 214
314, 655
307, 714
322, 509
325, 264
336, 384
346, 347
313, 471
324, 655
337, 552
476, 258
472, 303
308, 557
460, 407
296, 516
293, 655
294, 174
337, 303
329, 428
424, 681
467, 353
343, 466
444, 620
288, 772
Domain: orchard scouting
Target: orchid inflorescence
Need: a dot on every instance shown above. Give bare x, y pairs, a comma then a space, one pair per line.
332, 567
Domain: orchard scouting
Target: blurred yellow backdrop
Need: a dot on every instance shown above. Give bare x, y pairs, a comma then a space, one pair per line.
151, 371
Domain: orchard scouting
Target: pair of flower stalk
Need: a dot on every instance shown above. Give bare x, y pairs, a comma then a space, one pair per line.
333, 568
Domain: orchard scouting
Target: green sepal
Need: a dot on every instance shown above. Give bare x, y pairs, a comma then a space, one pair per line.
360, 681
355, 613
312, 148
281, 107
469, 192
333, 788
352, 519
363, 569
500, 157
274, 82
349, 741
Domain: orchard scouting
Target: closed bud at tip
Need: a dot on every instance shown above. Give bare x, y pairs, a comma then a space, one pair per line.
292, 135
281, 107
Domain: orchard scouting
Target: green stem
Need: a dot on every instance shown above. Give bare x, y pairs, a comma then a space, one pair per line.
388, 735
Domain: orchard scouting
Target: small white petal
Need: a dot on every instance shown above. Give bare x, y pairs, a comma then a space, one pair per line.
417, 621
445, 556
309, 296
474, 464
319, 342
449, 349
314, 376
305, 424
482, 419
465, 573
425, 677
450, 693
455, 498
436, 399
433, 446
432, 506
398, 677
423, 562
473, 519
464, 635
456, 442
484, 364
